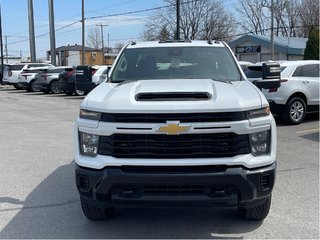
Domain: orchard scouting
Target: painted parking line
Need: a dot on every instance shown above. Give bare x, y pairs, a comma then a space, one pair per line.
309, 130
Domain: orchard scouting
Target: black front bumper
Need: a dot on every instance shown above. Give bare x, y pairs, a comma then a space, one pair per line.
175, 186
277, 109
85, 86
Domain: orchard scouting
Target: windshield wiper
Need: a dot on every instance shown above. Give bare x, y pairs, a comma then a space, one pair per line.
127, 81
224, 81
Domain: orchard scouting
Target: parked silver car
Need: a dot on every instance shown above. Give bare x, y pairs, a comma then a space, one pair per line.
299, 91
46, 80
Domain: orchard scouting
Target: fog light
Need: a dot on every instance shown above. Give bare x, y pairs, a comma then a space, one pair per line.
260, 142
89, 144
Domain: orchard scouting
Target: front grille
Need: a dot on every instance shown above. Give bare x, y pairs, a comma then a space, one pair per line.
164, 117
174, 146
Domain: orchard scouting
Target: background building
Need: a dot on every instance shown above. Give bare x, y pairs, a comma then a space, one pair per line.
256, 48
71, 55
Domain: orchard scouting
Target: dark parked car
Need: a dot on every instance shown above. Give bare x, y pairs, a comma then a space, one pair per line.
67, 79
88, 77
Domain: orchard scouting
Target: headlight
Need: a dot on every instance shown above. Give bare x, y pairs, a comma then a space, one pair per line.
258, 112
260, 142
89, 144
86, 114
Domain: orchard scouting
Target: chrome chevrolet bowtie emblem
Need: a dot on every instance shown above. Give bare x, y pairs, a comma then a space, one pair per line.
173, 128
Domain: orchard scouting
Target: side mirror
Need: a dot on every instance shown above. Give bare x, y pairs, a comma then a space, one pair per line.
270, 76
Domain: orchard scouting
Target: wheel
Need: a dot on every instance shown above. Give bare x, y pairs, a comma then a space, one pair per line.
256, 213
295, 111
16, 86
69, 92
54, 87
78, 92
95, 213
33, 87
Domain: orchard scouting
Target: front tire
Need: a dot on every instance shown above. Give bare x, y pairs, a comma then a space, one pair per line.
16, 86
258, 213
295, 111
54, 87
33, 87
95, 213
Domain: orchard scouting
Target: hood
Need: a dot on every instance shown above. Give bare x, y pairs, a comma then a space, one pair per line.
224, 97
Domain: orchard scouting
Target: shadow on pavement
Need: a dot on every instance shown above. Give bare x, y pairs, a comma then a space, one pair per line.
74, 97
52, 210
10, 89
311, 136
310, 117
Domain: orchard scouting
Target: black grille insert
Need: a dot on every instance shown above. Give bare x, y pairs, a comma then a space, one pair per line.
164, 117
173, 190
174, 146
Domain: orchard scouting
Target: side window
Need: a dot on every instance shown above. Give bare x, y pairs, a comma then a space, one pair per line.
307, 71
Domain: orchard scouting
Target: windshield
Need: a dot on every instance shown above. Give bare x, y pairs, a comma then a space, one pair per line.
176, 63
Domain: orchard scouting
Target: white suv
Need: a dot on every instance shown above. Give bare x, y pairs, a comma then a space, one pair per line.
299, 91
27, 79
11, 72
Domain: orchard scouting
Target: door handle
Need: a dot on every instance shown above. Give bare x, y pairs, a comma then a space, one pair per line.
305, 81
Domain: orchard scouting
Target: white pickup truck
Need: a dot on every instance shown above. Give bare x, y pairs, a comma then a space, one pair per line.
176, 124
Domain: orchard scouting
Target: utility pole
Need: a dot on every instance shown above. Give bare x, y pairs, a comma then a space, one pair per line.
108, 43
83, 61
52, 33
101, 26
178, 19
272, 37
271, 6
1, 45
6, 47
31, 32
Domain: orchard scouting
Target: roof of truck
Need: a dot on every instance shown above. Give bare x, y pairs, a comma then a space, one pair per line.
180, 43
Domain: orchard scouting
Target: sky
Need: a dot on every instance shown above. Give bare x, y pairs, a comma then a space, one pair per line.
121, 28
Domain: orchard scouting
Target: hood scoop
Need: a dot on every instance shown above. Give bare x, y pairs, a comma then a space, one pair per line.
174, 96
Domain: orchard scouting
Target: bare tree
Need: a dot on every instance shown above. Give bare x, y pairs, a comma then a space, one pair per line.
292, 18
94, 38
205, 19
253, 16
293, 9
309, 15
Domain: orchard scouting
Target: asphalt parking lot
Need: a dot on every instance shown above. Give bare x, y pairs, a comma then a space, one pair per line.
38, 196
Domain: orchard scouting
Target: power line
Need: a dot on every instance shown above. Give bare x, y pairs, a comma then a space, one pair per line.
104, 16
140, 11
44, 34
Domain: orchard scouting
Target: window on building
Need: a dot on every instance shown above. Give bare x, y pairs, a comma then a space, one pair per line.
94, 55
